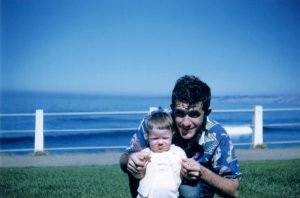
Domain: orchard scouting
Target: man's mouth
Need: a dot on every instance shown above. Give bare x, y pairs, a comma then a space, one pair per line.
185, 131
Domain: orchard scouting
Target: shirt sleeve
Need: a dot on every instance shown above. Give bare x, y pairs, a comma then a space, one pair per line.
224, 159
181, 153
139, 139
218, 152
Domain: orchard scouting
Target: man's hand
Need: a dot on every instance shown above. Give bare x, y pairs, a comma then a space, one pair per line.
137, 164
191, 169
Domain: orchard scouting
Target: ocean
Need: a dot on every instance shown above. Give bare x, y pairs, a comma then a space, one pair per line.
12, 137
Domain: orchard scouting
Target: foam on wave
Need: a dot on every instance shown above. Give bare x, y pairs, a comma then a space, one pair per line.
238, 129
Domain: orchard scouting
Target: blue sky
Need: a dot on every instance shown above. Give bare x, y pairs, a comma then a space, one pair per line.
141, 47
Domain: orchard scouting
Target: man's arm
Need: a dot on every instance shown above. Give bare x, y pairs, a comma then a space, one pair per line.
133, 182
134, 172
124, 161
192, 170
135, 163
227, 187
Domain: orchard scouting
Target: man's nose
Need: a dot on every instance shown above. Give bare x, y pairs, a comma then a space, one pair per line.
186, 121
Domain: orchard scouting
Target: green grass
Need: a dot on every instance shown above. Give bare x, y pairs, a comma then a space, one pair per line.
270, 178
260, 179
81, 181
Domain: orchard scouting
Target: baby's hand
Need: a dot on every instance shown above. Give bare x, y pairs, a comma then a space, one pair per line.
146, 156
190, 164
190, 169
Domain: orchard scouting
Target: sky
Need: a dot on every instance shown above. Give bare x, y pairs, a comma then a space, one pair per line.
141, 47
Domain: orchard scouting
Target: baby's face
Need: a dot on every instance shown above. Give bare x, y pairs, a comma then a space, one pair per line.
160, 140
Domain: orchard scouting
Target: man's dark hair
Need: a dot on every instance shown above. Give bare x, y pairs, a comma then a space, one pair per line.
190, 89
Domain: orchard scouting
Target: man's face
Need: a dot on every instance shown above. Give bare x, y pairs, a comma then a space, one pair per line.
188, 120
160, 140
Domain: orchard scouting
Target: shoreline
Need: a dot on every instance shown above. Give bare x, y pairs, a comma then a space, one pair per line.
112, 158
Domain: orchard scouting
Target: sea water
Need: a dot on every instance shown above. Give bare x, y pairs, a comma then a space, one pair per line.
12, 135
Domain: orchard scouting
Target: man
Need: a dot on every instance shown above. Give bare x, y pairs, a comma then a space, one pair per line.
212, 166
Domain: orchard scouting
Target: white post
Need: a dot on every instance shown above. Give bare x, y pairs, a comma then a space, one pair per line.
39, 131
258, 127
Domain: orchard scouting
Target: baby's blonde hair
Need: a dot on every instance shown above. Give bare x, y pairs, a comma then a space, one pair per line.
160, 120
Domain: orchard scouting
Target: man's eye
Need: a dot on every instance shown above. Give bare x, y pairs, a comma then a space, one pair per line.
179, 113
194, 114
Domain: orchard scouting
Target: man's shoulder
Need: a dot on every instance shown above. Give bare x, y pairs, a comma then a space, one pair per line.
214, 132
213, 126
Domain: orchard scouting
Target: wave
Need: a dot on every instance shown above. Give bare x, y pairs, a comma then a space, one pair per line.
284, 99
235, 130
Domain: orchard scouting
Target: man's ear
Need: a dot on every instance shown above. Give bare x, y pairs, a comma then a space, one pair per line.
208, 111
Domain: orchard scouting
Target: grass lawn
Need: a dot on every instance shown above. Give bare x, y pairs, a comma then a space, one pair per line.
260, 179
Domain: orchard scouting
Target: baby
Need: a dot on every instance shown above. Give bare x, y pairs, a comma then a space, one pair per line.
162, 177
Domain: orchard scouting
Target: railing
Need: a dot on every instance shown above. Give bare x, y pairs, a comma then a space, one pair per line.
256, 127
